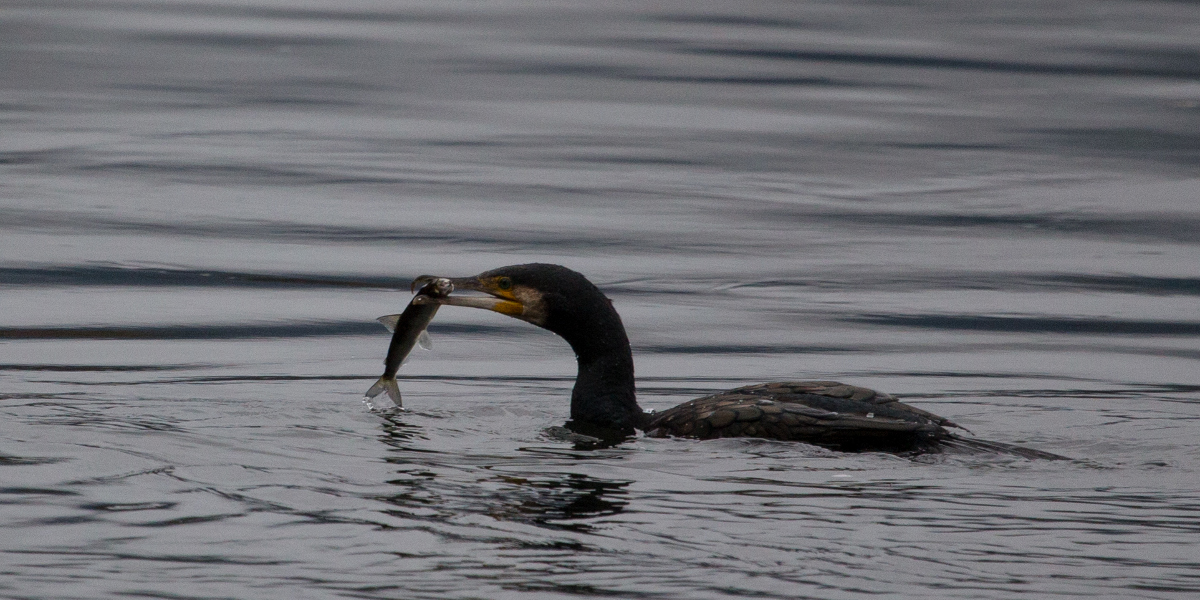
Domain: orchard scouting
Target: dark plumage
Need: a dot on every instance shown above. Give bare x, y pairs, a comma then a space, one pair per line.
826, 413
604, 403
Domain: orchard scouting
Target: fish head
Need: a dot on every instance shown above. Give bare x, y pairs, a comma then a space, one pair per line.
430, 285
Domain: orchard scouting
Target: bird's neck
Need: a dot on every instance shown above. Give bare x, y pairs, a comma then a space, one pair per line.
604, 393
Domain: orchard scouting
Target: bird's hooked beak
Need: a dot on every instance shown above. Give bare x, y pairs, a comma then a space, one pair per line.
504, 298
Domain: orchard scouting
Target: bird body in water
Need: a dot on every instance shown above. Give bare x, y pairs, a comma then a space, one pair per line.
604, 403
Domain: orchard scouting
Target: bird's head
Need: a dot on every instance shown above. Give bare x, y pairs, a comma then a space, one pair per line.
550, 296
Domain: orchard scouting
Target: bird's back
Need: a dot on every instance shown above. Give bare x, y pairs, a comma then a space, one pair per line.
826, 413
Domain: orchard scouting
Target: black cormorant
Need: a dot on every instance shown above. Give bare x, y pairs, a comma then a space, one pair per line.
603, 403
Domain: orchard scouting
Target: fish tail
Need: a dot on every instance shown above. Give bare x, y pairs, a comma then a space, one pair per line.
389, 385
393, 391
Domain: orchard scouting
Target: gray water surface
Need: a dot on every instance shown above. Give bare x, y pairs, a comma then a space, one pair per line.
989, 210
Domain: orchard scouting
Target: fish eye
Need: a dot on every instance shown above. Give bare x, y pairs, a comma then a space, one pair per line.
504, 283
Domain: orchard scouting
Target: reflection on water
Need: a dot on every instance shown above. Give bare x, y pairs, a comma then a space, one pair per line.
989, 212
6, 460
562, 501
556, 500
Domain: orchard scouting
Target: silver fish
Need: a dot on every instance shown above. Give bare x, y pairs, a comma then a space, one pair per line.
408, 329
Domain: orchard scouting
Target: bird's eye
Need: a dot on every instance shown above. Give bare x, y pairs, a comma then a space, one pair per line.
504, 283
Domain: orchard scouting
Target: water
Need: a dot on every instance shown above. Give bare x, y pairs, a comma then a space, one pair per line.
989, 210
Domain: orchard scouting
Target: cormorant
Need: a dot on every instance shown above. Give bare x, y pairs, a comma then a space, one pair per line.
603, 402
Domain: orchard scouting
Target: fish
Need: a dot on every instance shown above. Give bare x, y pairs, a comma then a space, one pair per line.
408, 330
